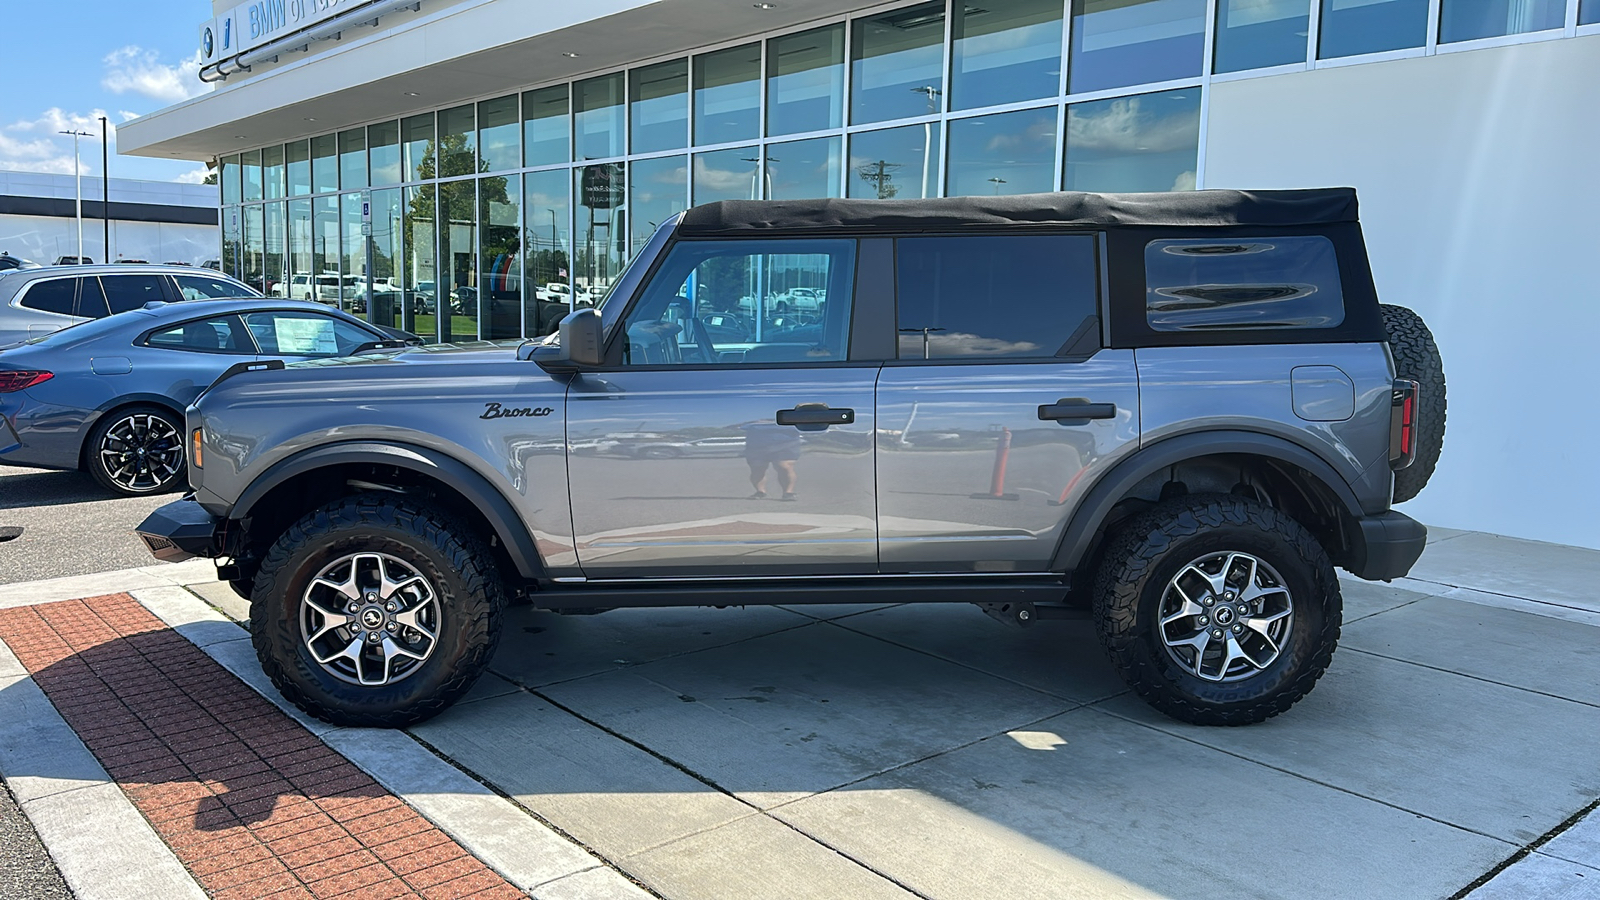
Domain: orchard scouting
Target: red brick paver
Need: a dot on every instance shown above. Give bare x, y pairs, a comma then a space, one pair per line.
252, 803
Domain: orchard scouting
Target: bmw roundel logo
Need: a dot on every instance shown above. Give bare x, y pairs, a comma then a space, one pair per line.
208, 44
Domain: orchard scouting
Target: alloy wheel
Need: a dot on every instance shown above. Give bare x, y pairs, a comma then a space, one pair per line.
141, 453
1225, 616
370, 619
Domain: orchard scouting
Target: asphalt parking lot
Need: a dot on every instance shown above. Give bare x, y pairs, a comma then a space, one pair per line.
72, 526
927, 751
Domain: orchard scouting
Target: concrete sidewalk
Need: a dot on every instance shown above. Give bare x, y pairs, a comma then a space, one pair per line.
926, 751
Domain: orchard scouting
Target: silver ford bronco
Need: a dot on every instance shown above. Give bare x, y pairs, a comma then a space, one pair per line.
1173, 413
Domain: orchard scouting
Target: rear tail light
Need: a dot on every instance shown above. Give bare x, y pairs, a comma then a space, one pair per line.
1403, 424
12, 380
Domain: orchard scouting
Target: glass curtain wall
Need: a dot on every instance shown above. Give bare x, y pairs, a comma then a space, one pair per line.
490, 218
500, 257
419, 262
392, 302
251, 266
324, 286
458, 261
547, 239
275, 259
300, 285
353, 256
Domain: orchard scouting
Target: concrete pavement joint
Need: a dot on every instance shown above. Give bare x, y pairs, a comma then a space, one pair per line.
1477, 590
1515, 687
1303, 777
968, 666
493, 788
1527, 850
667, 760
674, 655
1347, 622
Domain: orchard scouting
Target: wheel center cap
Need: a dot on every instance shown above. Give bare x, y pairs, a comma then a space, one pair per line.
1224, 615
372, 618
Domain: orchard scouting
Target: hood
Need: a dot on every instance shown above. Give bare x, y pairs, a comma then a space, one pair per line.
425, 354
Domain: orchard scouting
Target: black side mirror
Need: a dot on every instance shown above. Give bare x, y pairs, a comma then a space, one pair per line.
579, 345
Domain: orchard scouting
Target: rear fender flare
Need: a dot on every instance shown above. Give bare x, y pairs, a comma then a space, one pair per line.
1096, 507
477, 489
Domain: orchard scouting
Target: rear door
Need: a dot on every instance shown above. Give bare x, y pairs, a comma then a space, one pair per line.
133, 291
1001, 404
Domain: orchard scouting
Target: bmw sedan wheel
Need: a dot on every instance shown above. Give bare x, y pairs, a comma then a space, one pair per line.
137, 451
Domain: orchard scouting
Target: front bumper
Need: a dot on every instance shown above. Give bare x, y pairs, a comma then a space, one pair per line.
1386, 546
181, 530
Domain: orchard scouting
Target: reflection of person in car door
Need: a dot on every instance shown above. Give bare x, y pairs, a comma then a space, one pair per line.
778, 446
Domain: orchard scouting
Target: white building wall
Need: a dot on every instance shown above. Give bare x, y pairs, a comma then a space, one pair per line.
1479, 180
44, 239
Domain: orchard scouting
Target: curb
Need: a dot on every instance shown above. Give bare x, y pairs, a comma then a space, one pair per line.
102, 845
121, 856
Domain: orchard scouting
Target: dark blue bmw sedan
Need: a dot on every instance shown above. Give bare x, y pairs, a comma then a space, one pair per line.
108, 396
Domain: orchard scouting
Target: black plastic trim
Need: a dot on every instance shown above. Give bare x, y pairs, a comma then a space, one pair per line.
494, 506
766, 593
1113, 485
180, 530
872, 314
1386, 546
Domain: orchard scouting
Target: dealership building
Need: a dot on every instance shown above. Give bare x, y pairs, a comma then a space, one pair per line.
473, 153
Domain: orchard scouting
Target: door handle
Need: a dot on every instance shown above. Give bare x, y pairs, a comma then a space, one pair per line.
815, 416
1076, 411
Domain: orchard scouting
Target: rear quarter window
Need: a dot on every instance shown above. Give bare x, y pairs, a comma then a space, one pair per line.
1243, 284
55, 295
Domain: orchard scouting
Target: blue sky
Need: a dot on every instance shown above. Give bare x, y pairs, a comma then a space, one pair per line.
64, 63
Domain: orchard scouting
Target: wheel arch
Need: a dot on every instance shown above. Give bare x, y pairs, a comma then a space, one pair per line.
404, 468
1291, 465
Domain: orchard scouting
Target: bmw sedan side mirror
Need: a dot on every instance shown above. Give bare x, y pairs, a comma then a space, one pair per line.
578, 345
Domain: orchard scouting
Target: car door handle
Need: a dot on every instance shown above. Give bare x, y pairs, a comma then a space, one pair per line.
815, 416
1076, 411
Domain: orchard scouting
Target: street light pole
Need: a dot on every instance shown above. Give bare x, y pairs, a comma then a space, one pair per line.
77, 168
105, 188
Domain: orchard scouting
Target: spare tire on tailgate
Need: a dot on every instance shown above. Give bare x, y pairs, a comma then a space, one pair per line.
1416, 357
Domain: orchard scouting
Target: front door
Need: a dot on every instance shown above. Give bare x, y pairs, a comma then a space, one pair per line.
1000, 403
736, 436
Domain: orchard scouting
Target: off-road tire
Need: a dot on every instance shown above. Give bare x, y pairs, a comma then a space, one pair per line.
441, 548
97, 435
1151, 549
1416, 357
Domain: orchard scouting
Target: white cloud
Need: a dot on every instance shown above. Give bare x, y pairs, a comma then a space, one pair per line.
1128, 126
197, 175
134, 69
37, 145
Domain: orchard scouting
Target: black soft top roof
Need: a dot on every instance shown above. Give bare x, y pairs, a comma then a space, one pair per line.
1315, 206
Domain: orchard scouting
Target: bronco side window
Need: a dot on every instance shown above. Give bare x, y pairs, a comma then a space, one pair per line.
1235, 284
989, 296
741, 302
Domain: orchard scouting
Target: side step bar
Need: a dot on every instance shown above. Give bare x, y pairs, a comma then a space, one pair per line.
616, 596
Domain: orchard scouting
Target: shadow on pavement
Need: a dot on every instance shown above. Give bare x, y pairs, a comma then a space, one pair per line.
43, 488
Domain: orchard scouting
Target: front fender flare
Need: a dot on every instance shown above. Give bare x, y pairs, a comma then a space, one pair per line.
477, 489
1115, 484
